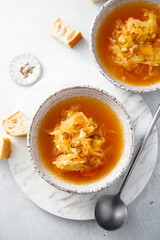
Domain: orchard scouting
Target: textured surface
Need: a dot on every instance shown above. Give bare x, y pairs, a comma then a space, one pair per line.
25, 26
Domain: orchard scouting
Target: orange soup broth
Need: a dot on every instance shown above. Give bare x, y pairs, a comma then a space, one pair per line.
104, 33
101, 113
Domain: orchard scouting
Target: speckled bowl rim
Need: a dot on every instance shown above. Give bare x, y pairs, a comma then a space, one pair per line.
104, 72
76, 191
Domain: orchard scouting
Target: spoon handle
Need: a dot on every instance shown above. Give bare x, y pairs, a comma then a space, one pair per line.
155, 118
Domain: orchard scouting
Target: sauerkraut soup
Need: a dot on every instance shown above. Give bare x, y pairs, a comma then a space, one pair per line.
128, 43
80, 140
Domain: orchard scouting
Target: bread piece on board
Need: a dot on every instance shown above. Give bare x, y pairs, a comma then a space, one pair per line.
65, 33
97, 0
5, 148
16, 125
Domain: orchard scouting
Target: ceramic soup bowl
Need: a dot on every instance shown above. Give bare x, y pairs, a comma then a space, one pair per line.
127, 131
104, 11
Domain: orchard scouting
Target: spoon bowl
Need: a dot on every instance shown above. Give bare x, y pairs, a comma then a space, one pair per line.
110, 212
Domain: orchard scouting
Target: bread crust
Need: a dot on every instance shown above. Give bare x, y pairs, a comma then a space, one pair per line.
97, 0
6, 148
13, 115
75, 40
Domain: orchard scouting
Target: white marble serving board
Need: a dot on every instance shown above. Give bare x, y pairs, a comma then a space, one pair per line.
72, 206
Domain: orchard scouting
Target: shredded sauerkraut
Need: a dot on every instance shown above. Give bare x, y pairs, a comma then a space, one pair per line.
78, 142
135, 43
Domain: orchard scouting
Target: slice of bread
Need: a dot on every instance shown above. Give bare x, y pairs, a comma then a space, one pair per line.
65, 33
5, 148
97, 0
16, 125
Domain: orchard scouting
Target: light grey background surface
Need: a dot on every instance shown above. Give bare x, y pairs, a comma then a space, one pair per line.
24, 28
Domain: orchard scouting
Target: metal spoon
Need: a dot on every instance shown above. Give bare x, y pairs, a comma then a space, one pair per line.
111, 211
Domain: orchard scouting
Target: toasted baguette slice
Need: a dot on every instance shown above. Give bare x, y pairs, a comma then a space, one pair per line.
97, 0
65, 33
5, 148
16, 125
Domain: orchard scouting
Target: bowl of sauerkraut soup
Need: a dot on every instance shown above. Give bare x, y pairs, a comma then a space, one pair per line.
80, 140
125, 44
